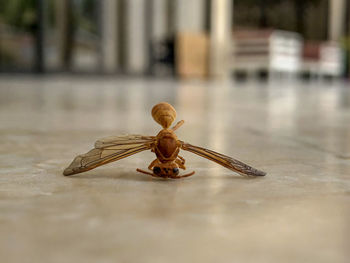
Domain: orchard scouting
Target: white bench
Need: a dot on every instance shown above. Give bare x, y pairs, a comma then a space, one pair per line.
322, 59
270, 51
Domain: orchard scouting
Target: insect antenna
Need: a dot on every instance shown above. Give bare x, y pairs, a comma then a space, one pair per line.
145, 172
178, 125
187, 175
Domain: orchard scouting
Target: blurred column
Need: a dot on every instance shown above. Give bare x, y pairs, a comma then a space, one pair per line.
336, 19
65, 31
136, 43
109, 35
39, 37
171, 16
159, 20
158, 37
220, 37
190, 16
347, 37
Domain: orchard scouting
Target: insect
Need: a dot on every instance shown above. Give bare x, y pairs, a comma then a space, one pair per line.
165, 145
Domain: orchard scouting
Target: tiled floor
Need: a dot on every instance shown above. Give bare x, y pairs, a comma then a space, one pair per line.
298, 133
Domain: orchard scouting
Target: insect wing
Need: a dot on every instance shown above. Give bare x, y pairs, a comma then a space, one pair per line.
223, 160
108, 150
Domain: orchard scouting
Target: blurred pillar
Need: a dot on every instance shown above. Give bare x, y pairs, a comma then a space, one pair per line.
39, 37
136, 41
336, 19
347, 38
65, 31
171, 14
190, 16
159, 20
220, 37
158, 35
109, 43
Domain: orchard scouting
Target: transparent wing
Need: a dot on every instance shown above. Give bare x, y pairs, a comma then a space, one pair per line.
223, 160
108, 150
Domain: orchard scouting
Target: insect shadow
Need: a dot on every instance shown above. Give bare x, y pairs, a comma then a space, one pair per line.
125, 176
130, 176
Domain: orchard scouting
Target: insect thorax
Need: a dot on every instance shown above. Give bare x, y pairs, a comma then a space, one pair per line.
167, 147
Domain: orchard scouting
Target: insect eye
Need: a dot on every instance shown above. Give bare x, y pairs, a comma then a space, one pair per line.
175, 171
157, 170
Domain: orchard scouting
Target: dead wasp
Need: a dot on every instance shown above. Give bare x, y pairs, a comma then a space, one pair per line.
165, 145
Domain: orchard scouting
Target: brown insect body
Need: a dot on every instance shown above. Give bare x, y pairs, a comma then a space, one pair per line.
165, 145
166, 149
164, 114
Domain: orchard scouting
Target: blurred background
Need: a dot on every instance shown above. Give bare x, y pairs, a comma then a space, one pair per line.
73, 71
180, 38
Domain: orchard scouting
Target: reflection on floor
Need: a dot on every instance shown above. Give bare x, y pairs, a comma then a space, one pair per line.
298, 133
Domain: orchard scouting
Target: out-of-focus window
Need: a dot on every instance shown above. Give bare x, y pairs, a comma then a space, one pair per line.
65, 32
51, 42
18, 23
86, 35
72, 35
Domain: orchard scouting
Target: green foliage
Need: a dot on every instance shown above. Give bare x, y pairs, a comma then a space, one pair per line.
86, 15
19, 13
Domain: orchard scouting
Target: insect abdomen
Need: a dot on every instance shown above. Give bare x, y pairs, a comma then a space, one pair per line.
164, 114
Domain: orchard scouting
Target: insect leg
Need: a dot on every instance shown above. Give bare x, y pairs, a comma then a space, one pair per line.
180, 163
151, 174
182, 159
152, 164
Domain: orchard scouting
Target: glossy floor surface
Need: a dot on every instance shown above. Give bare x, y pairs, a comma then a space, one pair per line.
298, 133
